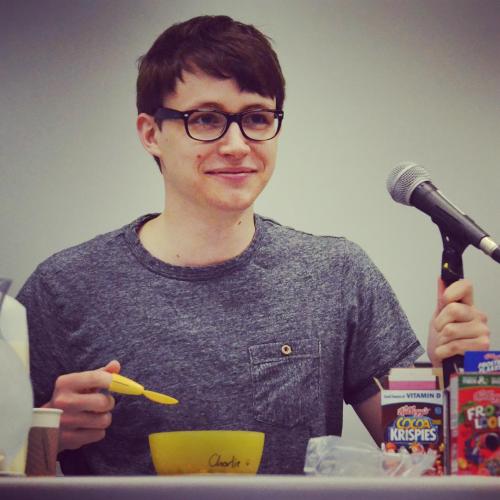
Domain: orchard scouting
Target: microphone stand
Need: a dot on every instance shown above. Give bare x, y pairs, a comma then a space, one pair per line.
451, 270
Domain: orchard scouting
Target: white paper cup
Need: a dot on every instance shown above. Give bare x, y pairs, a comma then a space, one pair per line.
43, 442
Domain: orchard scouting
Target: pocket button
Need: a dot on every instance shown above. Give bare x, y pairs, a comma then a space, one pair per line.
286, 350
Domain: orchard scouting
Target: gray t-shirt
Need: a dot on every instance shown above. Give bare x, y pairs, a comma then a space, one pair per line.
213, 338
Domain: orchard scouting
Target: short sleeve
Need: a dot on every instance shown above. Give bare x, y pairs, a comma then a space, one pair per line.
46, 336
379, 334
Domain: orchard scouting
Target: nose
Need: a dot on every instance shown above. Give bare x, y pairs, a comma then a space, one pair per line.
233, 143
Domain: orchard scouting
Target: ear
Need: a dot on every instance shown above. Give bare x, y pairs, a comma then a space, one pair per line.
147, 130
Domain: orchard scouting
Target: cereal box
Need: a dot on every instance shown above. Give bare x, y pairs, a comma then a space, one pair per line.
474, 415
482, 361
413, 421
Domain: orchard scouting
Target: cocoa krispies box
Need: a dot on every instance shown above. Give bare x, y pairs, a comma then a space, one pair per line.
413, 421
474, 430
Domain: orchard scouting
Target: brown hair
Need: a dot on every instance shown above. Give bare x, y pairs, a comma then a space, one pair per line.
218, 46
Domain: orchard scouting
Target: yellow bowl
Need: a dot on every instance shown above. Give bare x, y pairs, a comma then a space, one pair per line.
201, 452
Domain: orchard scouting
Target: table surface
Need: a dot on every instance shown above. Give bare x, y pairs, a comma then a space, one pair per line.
226, 487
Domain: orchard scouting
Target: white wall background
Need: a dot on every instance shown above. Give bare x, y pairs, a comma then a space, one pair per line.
370, 83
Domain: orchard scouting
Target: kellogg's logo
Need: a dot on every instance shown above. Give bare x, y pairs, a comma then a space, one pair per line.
487, 395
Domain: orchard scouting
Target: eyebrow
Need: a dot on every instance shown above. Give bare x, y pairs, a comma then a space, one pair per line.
220, 107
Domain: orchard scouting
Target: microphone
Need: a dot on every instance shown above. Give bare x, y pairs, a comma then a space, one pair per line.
410, 184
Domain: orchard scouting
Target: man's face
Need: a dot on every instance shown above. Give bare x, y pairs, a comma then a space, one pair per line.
225, 175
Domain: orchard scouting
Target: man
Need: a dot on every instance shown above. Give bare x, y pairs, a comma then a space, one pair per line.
249, 324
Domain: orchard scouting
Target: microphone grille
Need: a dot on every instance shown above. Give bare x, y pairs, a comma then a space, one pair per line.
403, 179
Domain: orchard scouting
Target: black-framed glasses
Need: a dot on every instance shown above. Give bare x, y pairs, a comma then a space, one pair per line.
255, 124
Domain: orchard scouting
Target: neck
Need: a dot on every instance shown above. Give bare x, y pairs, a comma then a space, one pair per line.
191, 240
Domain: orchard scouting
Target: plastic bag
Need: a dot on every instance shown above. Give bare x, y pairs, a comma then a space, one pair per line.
335, 456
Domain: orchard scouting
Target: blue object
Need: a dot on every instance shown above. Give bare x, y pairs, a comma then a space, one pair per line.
482, 361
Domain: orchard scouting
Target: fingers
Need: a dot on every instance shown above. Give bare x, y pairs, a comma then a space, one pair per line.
440, 293
456, 313
460, 346
460, 291
86, 410
473, 334
112, 367
84, 381
86, 420
76, 402
457, 325
79, 426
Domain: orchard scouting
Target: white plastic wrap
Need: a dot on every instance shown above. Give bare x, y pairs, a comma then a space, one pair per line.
335, 456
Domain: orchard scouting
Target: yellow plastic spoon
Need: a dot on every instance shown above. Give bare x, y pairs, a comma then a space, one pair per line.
124, 385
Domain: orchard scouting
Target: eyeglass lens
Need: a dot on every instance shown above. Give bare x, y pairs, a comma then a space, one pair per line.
210, 125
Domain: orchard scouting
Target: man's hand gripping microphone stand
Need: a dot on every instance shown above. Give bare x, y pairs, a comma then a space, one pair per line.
451, 270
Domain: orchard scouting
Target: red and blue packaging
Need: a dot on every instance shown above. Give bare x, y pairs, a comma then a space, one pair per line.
482, 361
474, 416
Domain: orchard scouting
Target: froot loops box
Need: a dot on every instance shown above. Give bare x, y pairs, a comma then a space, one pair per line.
474, 415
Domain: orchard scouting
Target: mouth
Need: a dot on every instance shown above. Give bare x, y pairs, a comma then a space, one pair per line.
231, 171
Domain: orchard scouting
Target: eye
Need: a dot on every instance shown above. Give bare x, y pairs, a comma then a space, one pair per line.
259, 119
206, 119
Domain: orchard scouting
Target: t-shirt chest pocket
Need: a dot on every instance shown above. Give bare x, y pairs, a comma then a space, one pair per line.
285, 379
